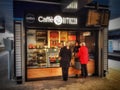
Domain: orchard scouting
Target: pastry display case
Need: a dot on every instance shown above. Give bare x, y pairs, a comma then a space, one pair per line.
36, 58
52, 57
36, 52
43, 57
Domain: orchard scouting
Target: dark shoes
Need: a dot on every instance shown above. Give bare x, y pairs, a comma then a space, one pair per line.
65, 79
76, 76
82, 76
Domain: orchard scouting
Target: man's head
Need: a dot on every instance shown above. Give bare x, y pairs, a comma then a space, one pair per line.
67, 43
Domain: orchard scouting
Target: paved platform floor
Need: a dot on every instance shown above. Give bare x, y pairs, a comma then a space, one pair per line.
110, 82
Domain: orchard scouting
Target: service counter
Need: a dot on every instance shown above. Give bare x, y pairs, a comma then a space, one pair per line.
33, 73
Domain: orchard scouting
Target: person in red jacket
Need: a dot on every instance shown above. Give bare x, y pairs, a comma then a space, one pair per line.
83, 57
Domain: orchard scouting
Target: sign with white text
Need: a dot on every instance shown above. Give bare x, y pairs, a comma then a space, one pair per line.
50, 20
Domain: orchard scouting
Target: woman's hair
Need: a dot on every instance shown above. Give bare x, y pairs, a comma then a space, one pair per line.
76, 42
82, 44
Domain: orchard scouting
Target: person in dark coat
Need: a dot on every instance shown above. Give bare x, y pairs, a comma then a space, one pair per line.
83, 57
65, 55
75, 51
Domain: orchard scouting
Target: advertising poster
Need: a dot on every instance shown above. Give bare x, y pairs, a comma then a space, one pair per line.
54, 38
63, 36
71, 36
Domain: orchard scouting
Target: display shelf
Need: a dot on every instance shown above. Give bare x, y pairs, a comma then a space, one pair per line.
36, 57
43, 57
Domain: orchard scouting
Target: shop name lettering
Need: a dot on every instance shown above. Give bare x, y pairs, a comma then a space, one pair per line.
58, 20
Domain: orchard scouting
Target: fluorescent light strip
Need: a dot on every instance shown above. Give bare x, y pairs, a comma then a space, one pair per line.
36, 1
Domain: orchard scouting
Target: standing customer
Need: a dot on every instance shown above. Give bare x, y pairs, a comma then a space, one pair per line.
76, 58
83, 56
65, 55
75, 50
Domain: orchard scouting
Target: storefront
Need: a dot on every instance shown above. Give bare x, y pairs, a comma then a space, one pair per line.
43, 52
37, 45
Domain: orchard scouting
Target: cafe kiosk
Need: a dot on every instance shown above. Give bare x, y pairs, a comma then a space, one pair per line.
40, 36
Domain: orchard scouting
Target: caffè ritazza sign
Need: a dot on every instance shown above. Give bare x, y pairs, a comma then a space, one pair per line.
57, 20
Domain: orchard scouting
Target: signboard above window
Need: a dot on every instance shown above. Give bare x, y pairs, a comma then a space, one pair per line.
59, 20
84, 18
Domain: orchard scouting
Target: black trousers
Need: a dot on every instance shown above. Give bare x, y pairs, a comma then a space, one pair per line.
84, 71
65, 73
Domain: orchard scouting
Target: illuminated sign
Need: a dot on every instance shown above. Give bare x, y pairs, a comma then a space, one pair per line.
51, 20
30, 18
58, 20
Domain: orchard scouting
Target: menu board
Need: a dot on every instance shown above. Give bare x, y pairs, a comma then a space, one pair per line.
54, 38
71, 36
98, 18
105, 18
41, 37
63, 36
93, 18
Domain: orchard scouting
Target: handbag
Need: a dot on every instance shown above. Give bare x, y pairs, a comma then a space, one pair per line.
77, 65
